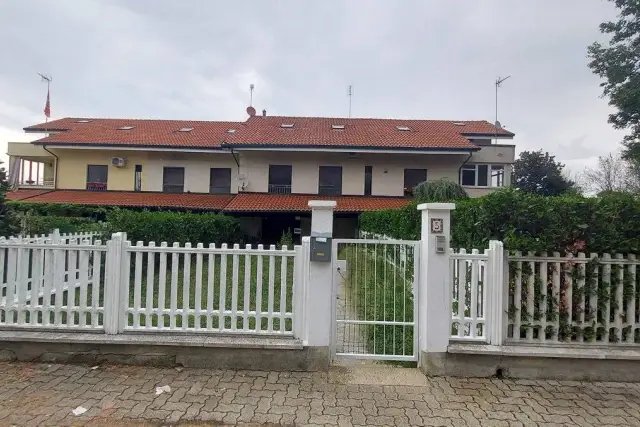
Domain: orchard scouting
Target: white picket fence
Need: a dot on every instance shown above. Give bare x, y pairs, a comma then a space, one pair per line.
476, 294
116, 287
566, 299
56, 237
52, 285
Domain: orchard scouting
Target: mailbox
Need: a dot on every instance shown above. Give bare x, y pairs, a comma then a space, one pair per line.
320, 249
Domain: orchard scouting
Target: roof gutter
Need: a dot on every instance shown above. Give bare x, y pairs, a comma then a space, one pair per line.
55, 171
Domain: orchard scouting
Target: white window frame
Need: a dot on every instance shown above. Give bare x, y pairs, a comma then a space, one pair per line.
474, 166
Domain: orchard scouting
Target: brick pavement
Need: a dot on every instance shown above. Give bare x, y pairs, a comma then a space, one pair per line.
40, 394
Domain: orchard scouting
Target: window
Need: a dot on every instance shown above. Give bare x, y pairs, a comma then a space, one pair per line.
482, 175
337, 127
185, 129
287, 125
97, 177
413, 177
330, 180
137, 178
280, 179
173, 180
220, 181
368, 175
403, 128
126, 127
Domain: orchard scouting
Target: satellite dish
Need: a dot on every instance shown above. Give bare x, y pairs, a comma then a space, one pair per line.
498, 125
251, 111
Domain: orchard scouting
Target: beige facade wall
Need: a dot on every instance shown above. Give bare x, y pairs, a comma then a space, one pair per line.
387, 169
497, 154
72, 169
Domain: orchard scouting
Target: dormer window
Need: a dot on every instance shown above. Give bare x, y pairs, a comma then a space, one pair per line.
126, 127
287, 125
337, 127
403, 128
185, 130
82, 121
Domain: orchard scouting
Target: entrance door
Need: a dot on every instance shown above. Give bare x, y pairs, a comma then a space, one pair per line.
375, 301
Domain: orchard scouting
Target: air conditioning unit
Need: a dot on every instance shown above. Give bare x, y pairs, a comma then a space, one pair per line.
118, 162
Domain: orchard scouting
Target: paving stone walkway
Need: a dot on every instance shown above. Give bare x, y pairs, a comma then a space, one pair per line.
40, 394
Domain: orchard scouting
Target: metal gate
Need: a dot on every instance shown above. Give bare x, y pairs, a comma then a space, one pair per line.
375, 299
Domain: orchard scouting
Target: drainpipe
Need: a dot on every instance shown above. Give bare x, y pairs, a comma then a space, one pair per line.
55, 171
461, 166
236, 160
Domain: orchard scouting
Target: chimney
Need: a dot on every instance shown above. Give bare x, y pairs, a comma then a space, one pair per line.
264, 113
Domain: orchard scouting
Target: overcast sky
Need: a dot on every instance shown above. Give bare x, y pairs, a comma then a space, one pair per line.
435, 59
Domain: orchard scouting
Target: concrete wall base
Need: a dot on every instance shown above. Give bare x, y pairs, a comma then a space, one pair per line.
555, 368
305, 359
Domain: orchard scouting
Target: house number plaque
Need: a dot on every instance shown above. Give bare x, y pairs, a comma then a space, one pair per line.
437, 225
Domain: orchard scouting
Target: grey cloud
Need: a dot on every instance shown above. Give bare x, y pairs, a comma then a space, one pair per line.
414, 59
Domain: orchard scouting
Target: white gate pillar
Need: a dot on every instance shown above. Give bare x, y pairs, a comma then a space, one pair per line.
434, 294
319, 303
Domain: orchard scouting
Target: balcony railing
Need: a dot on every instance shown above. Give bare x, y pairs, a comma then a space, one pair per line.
173, 188
43, 183
220, 190
279, 189
329, 190
97, 186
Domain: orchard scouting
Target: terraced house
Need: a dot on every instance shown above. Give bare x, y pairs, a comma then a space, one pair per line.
263, 170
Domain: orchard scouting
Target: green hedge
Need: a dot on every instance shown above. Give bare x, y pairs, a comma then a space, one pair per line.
37, 224
528, 222
59, 209
170, 227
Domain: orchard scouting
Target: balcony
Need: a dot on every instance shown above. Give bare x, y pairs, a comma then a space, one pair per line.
329, 190
279, 189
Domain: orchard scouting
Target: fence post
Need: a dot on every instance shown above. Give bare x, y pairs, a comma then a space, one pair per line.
113, 272
434, 287
496, 287
55, 236
320, 298
300, 284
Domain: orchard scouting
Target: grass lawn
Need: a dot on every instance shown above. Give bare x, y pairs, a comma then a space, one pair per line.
232, 286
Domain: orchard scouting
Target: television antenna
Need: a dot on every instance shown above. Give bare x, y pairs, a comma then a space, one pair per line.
499, 82
350, 95
251, 88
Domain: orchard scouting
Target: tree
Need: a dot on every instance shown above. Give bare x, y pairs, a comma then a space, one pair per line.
8, 220
613, 173
441, 190
619, 64
537, 172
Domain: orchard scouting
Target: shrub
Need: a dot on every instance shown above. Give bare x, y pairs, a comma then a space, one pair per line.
441, 190
38, 224
170, 227
528, 222
58, 209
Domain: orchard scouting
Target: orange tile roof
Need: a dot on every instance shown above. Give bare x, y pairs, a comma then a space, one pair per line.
161, 133
263, 132
135, 199
264, 202
24, 193
364, 133
243, 202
